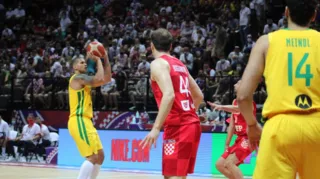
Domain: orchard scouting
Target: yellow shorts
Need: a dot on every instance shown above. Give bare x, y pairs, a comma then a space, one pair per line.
290, 144
85, 136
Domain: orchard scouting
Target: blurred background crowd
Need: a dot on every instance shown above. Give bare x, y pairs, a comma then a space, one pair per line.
40, 38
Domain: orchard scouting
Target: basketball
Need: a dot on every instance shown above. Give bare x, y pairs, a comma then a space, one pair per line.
203, 119
97, 49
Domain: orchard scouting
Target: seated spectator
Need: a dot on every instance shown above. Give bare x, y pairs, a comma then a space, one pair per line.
144, 66
201, 80
38, 88
45, 140
139, 92
187, 58
4, 134
222, 65
249, 44
110, 94
209, 72
28, 139
236, 52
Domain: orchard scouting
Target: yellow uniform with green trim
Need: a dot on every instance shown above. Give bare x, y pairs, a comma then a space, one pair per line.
290, 141
80, 124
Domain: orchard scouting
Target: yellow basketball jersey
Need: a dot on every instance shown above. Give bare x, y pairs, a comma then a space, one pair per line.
292, 72
80, 102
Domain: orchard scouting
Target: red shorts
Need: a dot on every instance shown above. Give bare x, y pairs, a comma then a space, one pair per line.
241, 148
180, 146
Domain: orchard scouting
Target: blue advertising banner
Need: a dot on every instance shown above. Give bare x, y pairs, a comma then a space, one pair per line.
122, 151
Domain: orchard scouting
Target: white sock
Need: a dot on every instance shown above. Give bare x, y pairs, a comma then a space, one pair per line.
86, 170
3, 151
95, 171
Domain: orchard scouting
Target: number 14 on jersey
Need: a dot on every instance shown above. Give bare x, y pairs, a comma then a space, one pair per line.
298, 74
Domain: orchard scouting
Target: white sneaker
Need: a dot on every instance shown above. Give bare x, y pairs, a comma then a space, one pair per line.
10, 159
23, 159
3, 157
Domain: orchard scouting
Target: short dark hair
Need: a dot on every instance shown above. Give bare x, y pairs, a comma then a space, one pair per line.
76, 61
162, 39
301, 11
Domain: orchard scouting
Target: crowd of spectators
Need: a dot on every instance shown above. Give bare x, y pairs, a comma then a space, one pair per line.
213, 38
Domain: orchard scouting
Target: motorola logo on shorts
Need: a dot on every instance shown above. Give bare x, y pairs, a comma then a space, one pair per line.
303, 101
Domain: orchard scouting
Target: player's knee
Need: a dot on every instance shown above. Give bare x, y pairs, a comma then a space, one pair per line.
220, 164
231, 161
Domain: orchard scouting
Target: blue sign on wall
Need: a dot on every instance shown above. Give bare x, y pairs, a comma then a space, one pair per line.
122, 151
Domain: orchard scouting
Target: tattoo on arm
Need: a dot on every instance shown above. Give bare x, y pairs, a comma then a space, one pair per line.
85, 79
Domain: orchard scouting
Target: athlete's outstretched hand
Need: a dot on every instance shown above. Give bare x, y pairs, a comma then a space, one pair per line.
151, 139
214, 106
254, 134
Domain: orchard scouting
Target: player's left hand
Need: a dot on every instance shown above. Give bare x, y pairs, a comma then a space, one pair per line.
214, 106
151, 138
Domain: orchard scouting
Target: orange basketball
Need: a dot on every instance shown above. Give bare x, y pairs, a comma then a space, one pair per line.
203, 119
97, 49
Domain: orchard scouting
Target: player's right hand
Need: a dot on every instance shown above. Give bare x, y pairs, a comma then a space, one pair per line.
92, 57
254, 135
150, 139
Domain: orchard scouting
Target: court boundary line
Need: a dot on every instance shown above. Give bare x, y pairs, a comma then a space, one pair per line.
34, 165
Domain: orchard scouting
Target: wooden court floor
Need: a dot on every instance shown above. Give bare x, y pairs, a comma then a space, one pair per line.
25, 171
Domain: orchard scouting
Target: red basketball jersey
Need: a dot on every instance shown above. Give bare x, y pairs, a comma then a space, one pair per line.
183, 110
239, 121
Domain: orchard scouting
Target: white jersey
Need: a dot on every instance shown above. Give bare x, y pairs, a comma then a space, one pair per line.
4, 128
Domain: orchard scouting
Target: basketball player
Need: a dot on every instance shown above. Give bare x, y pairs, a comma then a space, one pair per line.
289, 59
178, 98
80, 120
233, 156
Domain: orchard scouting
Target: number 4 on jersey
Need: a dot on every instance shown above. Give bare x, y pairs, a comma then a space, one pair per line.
184, 89
308, 76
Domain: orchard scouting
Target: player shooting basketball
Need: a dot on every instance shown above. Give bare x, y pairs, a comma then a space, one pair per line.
80, 120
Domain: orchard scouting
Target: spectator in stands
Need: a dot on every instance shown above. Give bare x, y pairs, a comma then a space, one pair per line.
201, 80
144, 65
222, 66
139, 92
38, 88
18, 13
187, 58
121, 81
114, 50
249, 45
68, 51
45, 140
4, 135
244, 21
236, 52
28, 139
108, 92
270, 27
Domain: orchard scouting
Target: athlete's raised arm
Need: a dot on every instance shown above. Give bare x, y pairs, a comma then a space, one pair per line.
196, 93
93, 81
249, 82
107, 69
160, 72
